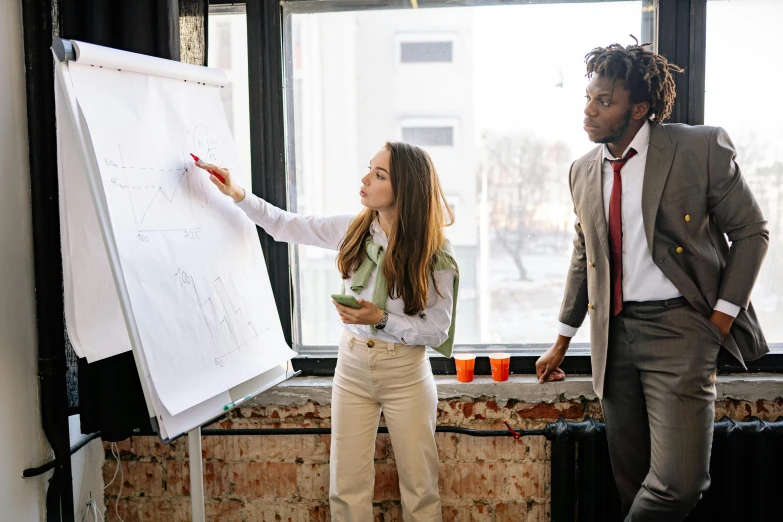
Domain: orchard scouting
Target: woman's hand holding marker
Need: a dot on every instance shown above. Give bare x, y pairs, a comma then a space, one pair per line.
222, 179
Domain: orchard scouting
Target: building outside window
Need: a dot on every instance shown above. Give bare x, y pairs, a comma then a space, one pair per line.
741, 83
500, 113
360, 78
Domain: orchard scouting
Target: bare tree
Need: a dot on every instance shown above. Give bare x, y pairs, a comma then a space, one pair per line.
522, 173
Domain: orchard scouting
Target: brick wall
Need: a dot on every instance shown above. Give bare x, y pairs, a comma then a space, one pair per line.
286, 478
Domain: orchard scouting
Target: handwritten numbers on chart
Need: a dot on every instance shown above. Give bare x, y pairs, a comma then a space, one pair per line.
191, 234
110, 162
143, 238
184, 277
219, 362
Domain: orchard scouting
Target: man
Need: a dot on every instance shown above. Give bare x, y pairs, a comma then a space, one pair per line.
663, 287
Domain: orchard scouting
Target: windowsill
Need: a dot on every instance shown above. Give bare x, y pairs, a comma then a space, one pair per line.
524, 388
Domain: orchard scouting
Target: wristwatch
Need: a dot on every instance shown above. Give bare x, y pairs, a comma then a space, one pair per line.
380, 325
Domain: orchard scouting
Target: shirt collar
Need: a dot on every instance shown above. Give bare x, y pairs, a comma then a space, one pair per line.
640, 142
378, 235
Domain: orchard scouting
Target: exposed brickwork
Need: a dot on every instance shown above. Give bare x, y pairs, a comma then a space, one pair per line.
286, 478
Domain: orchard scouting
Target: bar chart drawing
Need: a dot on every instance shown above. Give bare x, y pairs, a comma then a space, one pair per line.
229, 329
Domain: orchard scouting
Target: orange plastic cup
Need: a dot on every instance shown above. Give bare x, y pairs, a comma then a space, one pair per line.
465, 365
499, 363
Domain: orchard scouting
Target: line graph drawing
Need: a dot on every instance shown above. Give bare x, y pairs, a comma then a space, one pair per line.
161, 199
228, 328
169, 199
166, 192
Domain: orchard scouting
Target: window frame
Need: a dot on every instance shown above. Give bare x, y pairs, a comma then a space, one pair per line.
678, 28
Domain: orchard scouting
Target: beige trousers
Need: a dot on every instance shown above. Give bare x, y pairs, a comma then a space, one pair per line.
373, 375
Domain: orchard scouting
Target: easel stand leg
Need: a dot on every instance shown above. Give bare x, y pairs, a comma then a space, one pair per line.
196, 475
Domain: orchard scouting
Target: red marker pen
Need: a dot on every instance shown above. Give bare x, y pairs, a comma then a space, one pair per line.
202, 164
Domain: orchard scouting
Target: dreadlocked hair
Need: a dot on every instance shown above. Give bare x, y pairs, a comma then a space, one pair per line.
645, 74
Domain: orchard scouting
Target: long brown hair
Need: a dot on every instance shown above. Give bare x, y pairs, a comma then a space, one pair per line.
417, 233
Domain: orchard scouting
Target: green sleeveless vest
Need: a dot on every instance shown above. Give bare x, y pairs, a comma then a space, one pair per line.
374, 259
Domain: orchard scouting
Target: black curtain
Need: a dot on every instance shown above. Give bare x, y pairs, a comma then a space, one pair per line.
111, 398
109, 395
141, 26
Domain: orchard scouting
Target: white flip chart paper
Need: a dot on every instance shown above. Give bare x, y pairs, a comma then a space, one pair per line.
85, 264
196, 277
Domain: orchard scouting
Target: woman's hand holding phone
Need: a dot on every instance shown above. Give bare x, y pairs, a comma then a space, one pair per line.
346, 300
352, 311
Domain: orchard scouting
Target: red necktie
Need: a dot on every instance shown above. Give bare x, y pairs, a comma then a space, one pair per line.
616, 233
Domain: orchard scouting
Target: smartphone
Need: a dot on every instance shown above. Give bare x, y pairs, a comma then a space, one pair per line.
346, 300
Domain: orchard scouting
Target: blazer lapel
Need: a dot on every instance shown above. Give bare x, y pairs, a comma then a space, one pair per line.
660, 155
595, 195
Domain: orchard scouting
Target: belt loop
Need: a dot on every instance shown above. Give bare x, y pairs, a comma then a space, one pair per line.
390, 347
350, 342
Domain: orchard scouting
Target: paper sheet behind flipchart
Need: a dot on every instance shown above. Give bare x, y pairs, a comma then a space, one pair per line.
85, 263
196, 277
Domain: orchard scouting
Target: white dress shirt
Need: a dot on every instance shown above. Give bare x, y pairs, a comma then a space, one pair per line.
642, 279
429, 328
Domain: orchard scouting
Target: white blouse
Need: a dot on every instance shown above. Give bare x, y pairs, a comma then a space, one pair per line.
429, 328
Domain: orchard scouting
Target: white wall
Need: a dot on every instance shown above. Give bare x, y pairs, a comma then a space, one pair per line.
22, 442
86, 470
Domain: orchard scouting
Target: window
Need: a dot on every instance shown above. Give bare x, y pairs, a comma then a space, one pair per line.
428, 48
504, 95
513, 127
454, 201
228, 51
429, 136
741, 83
413, 52
417, 52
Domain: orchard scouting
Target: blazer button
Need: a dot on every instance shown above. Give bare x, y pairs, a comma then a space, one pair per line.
589, 306
592, 265
687, 218
679, 250
370, 344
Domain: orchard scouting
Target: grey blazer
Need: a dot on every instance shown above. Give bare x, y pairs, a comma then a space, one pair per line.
690, 171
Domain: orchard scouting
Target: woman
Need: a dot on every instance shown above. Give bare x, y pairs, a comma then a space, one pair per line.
395, 260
